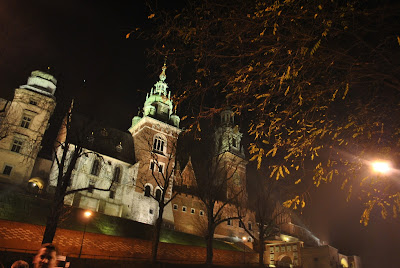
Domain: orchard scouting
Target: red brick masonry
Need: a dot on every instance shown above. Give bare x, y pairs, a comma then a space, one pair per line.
25, 236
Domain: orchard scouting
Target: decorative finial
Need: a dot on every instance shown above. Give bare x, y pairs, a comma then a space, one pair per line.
163, 76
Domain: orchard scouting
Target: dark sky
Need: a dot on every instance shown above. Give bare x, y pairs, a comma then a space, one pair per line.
83, 42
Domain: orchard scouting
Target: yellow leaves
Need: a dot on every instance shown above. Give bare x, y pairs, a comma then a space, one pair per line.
275, 28
398, 40
298, 181
151, 16
295, 202
300, 100
128, 34
266, 95
346, 91
278, 171
273, 151
316, 46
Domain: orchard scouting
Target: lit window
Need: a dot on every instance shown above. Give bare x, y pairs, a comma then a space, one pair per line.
112, 194
159, 144
192, 211
184, 209
201, 213
158, 194
147, 190
7, 170
229, 222
271, 249
175, 207
117, 174
26, 121
96, 168
17, 145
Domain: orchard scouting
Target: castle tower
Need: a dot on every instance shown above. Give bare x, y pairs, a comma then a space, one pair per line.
25, 120
155, 135
229, 148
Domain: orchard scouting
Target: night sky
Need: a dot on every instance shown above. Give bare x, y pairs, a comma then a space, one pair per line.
84, 45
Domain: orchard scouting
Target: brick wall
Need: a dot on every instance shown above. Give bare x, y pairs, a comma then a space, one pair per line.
28, 237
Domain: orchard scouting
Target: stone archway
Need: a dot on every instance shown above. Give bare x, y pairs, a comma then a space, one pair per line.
285, 261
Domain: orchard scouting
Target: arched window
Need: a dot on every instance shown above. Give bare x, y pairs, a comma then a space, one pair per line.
159, 144
117, 175
158, 194
96, 168
147, 190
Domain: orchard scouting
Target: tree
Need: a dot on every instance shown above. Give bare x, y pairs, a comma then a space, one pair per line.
270, 215
316, 81
67, 151
163, 174
213, 172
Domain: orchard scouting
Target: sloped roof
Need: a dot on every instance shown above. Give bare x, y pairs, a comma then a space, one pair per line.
96, 137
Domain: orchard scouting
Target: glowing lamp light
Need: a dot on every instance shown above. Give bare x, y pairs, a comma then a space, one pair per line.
87, 214
244, 238
34, 184
381, 167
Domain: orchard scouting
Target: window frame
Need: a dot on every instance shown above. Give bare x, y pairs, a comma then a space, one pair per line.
17, 145
4, 169
117, 175
96, 166
184, 209
159, 143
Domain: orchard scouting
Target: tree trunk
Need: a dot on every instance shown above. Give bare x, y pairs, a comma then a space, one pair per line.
261, 248
52, 221
156, 236
209, 241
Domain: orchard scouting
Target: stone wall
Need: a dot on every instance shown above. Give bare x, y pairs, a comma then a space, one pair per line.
23, 236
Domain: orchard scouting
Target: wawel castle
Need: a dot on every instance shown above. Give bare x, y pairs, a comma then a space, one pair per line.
128, 163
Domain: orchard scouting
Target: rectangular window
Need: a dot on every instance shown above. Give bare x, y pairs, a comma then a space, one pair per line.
7, 170
192, 210
175, 206
201, 213
283, 249
234, 142
26, 121
229, 222
184, 209
112, 194
294, 247
160, 168
151, 211
33, 102
17, 145
241, 224
250, 226
152, 164
271, 249
91, 186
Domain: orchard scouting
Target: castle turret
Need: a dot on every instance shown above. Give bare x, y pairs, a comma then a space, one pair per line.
158, 103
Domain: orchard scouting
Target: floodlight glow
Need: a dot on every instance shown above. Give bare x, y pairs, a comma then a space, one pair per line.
381, 167
87, 214
244, 238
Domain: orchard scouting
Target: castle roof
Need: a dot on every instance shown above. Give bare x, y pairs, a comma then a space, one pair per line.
96, 137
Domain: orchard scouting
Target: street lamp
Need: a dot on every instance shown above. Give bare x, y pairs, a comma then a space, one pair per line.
244, 249
87, 215
381, 167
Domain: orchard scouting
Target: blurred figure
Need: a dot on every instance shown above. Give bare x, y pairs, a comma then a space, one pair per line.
20, 264
46, 257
